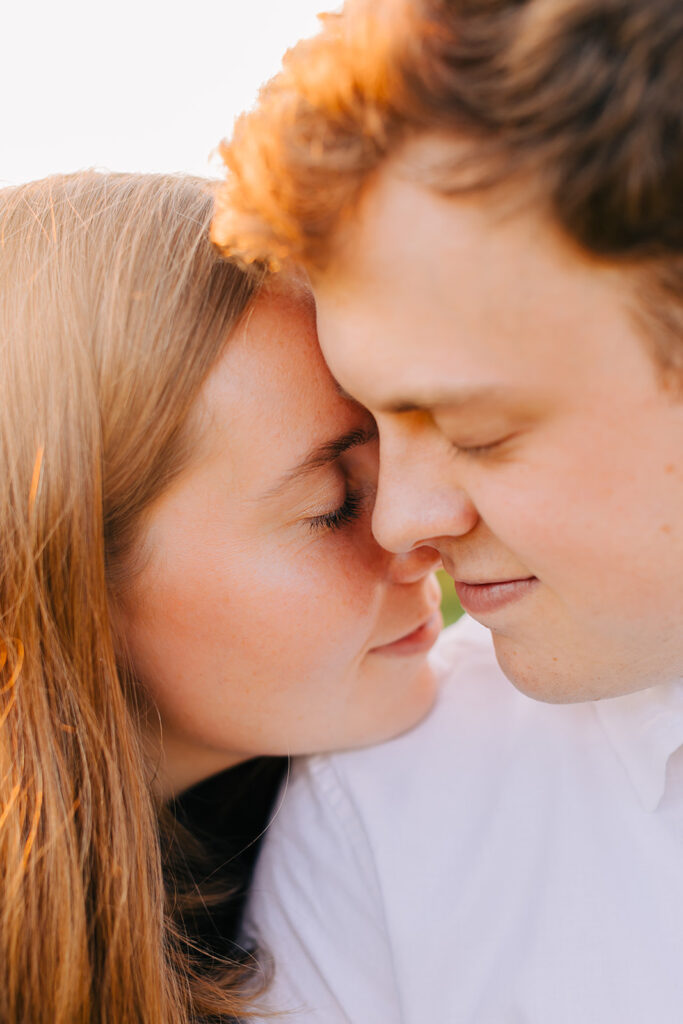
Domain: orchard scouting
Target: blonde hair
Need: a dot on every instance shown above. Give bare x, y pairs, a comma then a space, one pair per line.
113, 308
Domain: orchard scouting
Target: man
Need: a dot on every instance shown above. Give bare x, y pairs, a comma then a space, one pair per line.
488, 199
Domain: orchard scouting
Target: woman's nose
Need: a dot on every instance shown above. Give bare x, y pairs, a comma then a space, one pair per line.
412, 566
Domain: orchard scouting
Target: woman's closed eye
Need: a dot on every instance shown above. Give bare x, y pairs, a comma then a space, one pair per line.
352, 508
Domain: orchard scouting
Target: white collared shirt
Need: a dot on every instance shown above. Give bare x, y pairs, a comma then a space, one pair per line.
506, 862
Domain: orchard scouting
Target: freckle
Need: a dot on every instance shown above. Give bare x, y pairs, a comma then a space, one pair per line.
669, 468
665, 528
554, 659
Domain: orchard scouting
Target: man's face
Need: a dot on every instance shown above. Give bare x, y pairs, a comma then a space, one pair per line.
524, 433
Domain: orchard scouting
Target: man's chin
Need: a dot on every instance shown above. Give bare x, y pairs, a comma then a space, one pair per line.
541, 674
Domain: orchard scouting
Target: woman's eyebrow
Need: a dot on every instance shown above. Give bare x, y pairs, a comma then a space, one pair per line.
324, 454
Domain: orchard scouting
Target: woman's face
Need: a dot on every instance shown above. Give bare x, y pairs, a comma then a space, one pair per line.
266, 619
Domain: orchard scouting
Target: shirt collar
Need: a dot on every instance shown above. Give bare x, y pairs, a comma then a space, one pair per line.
645, 728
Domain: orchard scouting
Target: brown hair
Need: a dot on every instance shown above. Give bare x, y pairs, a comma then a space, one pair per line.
580, 96
113, 308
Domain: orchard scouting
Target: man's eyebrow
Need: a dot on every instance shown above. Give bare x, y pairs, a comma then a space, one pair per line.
323, 455
456, 399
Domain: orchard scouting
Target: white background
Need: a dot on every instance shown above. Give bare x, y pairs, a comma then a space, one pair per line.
138, 86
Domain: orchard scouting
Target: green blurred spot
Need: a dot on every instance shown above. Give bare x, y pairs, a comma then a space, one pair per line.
450, 606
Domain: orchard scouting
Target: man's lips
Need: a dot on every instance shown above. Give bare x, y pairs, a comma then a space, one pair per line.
418, 641
479, 598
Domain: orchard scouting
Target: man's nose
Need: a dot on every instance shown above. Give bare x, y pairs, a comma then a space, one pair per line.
419, 501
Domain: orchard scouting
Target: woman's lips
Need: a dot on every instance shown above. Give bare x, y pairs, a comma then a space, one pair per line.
417, 642
479, 598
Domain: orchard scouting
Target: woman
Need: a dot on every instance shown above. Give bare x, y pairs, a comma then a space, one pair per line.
187, 580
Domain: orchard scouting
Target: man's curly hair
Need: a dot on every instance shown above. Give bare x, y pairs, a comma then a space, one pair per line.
583, 98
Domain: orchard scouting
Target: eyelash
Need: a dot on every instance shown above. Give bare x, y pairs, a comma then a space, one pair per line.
351, 510
481, 450
477, 449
